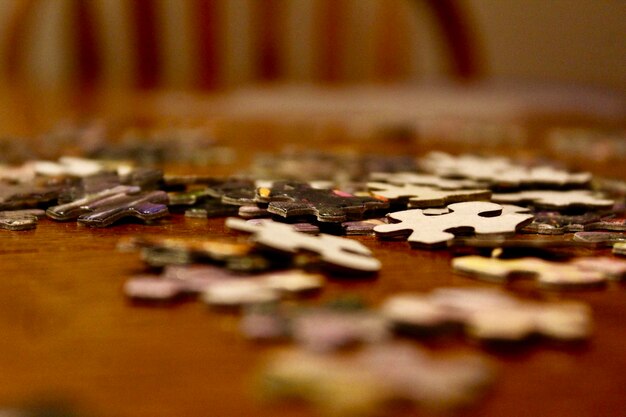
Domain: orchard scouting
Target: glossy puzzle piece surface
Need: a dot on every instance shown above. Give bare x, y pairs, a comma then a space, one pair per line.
579, 273
366, 383
555, 199
74, 209
288, 199
498, 171
487, 315
423, 196
147, 206
20, 219
436, 230
336, 251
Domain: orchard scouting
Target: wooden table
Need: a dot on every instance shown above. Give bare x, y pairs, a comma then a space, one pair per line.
66, 330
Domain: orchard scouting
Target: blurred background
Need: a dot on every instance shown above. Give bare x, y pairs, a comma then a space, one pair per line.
216, 44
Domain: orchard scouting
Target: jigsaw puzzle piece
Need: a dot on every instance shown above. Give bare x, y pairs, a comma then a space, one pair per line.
74, 209
160, 251
423, 196
500, 172
289, 199
235, 191
20, 219
145, 206
484, 218
414, 178
581, 273
555, 199
220, 287
28, 194
610, 222
607, 238
487, 315
335, 251
555, 223
366, 383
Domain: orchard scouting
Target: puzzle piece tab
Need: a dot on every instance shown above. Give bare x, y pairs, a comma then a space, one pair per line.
580, 273
336, 251
436, 230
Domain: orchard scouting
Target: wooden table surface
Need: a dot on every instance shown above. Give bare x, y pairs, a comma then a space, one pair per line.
67, 332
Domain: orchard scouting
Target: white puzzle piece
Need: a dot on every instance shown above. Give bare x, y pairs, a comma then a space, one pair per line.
436, 230
337, 251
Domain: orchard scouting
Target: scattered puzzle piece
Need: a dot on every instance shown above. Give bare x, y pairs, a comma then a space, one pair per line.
607, 238
27, 194
436, 230
236, 191
68, 165
414, 178
20, 219
74, 209
160, 251
289, 199
423, 196
555, 199
221, 287
487, 315
555, 223
580, 273
336, 251
366, 383
611, 222
500, 172
145, 206
302, 227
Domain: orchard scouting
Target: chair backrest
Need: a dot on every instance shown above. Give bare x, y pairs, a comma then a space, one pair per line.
214, 44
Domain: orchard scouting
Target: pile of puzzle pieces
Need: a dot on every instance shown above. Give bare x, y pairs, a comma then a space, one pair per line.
299, 224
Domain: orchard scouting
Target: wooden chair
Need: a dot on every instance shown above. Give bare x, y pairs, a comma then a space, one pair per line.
217, 44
